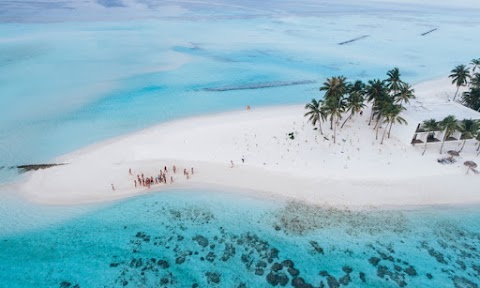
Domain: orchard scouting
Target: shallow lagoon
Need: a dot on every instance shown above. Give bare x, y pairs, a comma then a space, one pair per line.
70, 84
183, 238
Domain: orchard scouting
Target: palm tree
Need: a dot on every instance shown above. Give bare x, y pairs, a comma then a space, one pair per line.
335, 109
382, 106
374, 91
449, 125
405, 94
334, 105
475, 80
393, 81
355, 101
334, 87
392, 116
471, 98
460, 76
469, 129
431, 126
475, 64
315, 114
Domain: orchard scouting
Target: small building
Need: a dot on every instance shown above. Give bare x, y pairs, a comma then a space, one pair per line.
417, 113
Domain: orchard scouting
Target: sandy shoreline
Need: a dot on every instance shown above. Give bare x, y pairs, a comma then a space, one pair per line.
356, 171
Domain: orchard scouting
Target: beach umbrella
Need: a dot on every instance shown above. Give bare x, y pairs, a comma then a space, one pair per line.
470, 165
453, 153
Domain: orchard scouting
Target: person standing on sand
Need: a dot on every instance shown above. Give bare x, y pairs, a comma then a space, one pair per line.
113, 187
135, 183
192, 170
130, 171
231, 164
165, 168
174, 169
171, 179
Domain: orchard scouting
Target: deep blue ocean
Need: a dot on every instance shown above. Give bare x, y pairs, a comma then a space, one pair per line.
75, 73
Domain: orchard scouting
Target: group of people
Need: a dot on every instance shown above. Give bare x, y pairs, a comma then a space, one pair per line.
162, 177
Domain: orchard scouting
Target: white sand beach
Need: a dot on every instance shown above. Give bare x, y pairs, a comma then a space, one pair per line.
356, 171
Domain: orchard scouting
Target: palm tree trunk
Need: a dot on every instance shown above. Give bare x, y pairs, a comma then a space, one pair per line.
320, 126
346, 120
425, 149
331, 122
456, 92
478, 148
377, 126
383, 136
463, 145
379, 117
390, 129
371, 117
335, 134
443, 142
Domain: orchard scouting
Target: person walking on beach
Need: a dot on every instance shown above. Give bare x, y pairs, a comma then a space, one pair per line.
171, 179
184, 171
231, 164
165, 168
135, 183
174, 169
113, 187
192, 170
130, 171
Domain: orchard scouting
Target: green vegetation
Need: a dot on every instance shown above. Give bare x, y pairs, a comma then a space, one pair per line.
342, 97
460, 76
468, 128
468, 76
449, 125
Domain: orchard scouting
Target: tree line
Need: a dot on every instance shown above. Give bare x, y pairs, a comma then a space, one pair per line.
463, 75
468, 128
346, 99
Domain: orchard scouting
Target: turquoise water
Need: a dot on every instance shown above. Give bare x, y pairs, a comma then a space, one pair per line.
73, 73
69, 84
180, 238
